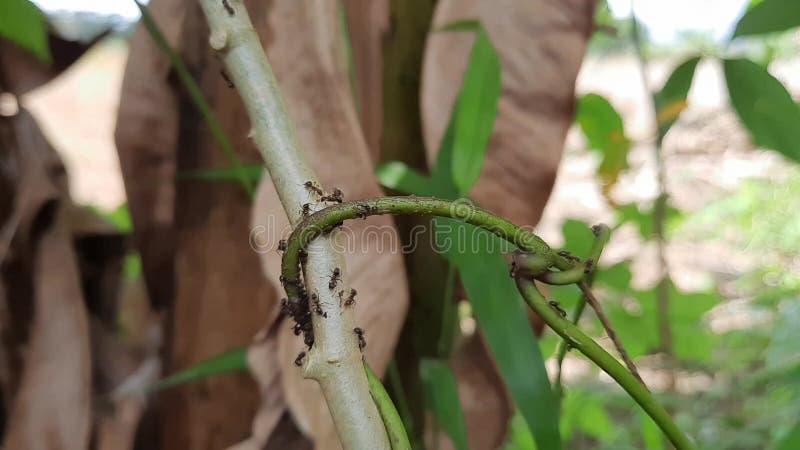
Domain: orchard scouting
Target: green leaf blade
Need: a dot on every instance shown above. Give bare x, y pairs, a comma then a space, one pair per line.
769, 16
22, 23
234, 360
441, 393
475, 113
671, 100
604, 130
764, 107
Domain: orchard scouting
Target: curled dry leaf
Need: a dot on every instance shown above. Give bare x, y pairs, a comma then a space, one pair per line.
312, 74
541, 44
51, 408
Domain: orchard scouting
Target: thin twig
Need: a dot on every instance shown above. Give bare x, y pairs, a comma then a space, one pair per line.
598, 309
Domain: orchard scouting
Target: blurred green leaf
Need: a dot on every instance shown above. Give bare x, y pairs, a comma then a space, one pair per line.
651, 434
519, 436
585, 413
769, 16
617, 277
23, 23
398, 176
132, 267
441, 393
605, 133
791, 441
671, 100
462, 25
251, 173
578, 237
475, 112
764, 106
119, 218
643, 219
501, 314
231, 361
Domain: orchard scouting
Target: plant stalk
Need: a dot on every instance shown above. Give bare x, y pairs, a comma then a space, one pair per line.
334, 361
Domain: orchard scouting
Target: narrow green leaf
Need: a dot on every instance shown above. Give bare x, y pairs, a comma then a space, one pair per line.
119, 218
764, 106
231, 361
519, 436
791, 441
501, 314
461, 25
769, 16
441, 394
671, 100
398, 437
476, 110
605, 133
22, 23
398, 176
250, 173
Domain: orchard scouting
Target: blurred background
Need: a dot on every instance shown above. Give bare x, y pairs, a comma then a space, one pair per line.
728, 366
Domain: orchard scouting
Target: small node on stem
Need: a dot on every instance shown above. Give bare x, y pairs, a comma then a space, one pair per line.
218, 40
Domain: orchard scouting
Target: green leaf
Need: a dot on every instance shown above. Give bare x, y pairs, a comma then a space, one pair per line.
501, 314
578, 237
119, 218
643, 219
769, 16
519, 436
398, 176
585, 413
231, 361
23, 23
671, 100
251, 173
441, 394
475, 113
651, 434
605, 133
462, 25
764, 106
791, 441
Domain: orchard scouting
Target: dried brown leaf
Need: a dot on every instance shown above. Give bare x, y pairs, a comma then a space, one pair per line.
541, 44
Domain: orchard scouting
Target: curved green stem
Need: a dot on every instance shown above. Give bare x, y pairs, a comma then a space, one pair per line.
333, 216
391, 418
586, 345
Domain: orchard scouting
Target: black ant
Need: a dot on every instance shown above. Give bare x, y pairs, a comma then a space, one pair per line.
350, 300
337, 196
299, 360
555, 305
315, 304
282, 245
227, 79
361, 341
306, 209
313, 187
568, 255
228, 7
334, 278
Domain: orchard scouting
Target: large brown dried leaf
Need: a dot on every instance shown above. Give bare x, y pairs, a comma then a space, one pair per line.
52, 405
541, 44
146, 138
312, 75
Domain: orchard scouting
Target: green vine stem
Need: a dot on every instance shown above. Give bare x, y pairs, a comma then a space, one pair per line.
391, 418
586, 345
335, 361
334, 216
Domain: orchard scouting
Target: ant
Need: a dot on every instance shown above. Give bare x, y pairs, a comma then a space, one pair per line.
337, 196
568, 255
228, 7
315, 305
334, 278
350, 300
306, 209
282, 245
227, 79
555, 305
299, 360
361, 341
313, 187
